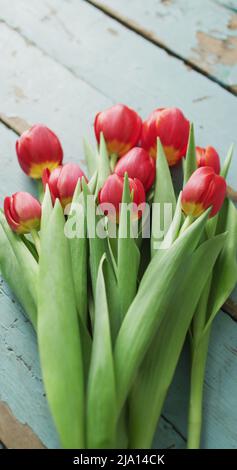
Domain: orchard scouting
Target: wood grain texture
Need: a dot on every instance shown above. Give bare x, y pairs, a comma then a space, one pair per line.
203, 32
61, 70
220, 388
105, 63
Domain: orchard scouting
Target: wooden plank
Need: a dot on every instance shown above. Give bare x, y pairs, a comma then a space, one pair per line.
206, 41
16, 124
67, 103
230, 4
145, 81
14, 434
220, 388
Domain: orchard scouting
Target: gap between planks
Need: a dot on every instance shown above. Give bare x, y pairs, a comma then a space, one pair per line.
151, 37
19, 125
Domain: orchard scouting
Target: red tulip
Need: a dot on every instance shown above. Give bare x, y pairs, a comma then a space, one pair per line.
121, 127
208, 157
204, 189
171, 126
137, 164
38, 148
23, 212
112, 193
62, 182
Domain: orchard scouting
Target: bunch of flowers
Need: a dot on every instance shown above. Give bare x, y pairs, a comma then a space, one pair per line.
114, 270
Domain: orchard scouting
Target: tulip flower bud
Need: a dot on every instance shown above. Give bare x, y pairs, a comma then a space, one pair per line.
204, 189
137, 164
38, 148
23, 212
208, 157
171, 126
62, 182
112, 193
121, 127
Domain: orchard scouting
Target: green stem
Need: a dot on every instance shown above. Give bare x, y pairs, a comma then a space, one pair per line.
40, 189
113, 161
36, 240
200, 317
199, 358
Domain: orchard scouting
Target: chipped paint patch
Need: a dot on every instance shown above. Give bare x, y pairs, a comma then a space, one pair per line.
213, 50
233, 22
230, 307
14, 434
17, 124
19, 93
112, 31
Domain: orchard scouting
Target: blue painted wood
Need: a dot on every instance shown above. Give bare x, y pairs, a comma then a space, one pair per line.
60, 66
207, 40
220, 388
94, 53
21, 386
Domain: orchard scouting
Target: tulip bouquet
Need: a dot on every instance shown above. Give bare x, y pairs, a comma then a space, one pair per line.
116, 268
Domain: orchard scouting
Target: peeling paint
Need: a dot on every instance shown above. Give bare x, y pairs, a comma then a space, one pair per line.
17, 124
19, 93
230, 307
14, 434
166, 2
213, 50
112, 31
233, 22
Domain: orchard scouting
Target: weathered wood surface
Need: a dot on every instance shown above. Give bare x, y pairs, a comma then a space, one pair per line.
66, 32
220, 387
203, 32
61, 61
109, 60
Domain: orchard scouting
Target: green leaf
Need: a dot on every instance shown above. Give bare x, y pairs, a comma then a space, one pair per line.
97, 248
31, 247
128, 255
164, 194
78, 243
174, 228
86, 346
190, 162
91, 155
47, 208
113, 248
92, 183
58, 334
227, 162
97, 244
225, 273
12, 272
157, 370
104, 164
101, 401
157, 289
26, 261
